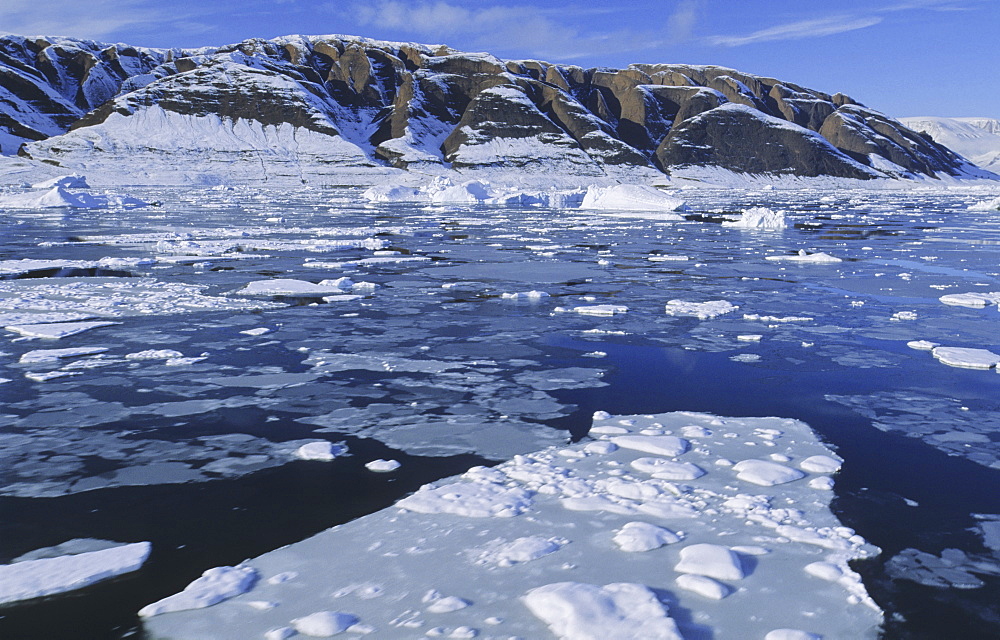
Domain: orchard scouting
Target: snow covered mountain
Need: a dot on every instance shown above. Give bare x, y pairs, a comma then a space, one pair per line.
325, 108
978, 139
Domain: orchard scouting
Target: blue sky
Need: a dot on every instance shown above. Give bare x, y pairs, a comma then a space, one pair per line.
904, 57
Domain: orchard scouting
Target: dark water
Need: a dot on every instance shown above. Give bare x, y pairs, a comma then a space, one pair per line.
196, 526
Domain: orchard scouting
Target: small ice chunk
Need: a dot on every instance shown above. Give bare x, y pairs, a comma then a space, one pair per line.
581, 611
900, 316
804, 257
820, 464
323, 624
667, 258
659, 445
791, 634
668, 469
48, 356
766, 473
214, 586
637, 537
601, 415
448, 604
966, 358
750, 337
257, 331
700, 310
49, 576
712, 560
525, 295
55, 330
703, 586
475, 500
758, 218
320, 450
922, 345
605, 310
154, 354
382, 466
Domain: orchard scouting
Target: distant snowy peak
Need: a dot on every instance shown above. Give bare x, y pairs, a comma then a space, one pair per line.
309, 108
978, 139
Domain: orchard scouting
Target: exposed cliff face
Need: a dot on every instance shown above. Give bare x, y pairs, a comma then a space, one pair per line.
378, 104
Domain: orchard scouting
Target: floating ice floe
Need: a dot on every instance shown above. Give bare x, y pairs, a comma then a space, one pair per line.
966, 358
803, 256
668, 258
601, 310
922, 345
445, 191
953, 569
986, 205
525, 295
448, 580
55, 330
972, 300
758, 218
634, 200
289, 287
700, 310
49, 356
50, 576
320, 450
382, 466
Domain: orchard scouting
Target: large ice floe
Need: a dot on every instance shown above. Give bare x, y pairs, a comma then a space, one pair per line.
69, 567
590, 540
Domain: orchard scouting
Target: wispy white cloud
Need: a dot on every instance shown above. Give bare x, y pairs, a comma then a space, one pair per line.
525, 29
841, 23
93, 19
681, 23
799, 30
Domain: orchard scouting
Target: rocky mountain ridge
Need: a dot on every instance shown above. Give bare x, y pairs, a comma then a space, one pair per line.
303, 107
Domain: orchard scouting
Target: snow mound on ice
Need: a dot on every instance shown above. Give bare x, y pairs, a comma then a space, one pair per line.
214, 586
638, 537
581, 611
74, 181
711, 560
765, 472
986, 205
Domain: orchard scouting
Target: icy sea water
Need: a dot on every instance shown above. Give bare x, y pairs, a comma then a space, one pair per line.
436, 368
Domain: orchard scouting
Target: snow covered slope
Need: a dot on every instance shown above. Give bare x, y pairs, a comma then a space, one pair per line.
978, 139
339, 109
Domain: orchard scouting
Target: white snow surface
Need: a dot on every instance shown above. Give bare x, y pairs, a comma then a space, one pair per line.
516, 576
214, 586
580, 611
978, 139
50, 576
